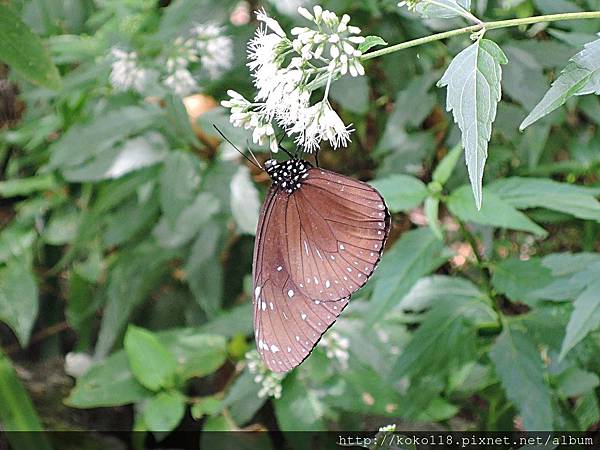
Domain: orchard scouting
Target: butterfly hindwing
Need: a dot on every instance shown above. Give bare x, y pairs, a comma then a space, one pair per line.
287, 323
336, 231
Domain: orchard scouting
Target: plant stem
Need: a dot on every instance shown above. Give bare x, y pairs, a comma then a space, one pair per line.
484, 25
481, 264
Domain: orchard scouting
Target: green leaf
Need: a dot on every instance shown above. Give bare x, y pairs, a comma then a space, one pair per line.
204, 276
134, 274
442, 9
189, 222
119, 160
108, 383
164, 411
15, 239
431, 209
574, 382
370, 42
584, 319
206, 406
24, 52
429, 290
523, 193
495, 212
27, 186
197, 354
473, 80
242, 399
518, 280
299, 407
587, 410
446, 339
152, 364
179, 120
179, 182
581, 76
523, 80
17, 412
401, 192
18, 298
358, 102
244, 201
519, 366
416, 254
111, 382
100, 135
446, 166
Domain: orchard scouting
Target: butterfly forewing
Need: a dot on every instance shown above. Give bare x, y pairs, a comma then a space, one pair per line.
319, 239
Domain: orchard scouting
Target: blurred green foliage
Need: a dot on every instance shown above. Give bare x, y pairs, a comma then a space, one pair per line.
133, 228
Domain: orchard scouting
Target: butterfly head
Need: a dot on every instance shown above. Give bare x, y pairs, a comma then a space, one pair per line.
287, 175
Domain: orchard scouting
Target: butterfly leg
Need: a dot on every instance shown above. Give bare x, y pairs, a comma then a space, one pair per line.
317, 158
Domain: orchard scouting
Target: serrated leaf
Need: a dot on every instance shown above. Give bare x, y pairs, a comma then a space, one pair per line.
474, 90
443, 9
152, 364
244, 201
18, 298
24, 52
370, 42
584, 319
495, 212
401, 192
580, 77
519, 366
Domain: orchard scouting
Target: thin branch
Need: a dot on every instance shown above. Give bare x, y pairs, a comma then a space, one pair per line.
487, 25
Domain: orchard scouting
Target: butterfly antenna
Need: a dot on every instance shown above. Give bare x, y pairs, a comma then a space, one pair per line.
255, 162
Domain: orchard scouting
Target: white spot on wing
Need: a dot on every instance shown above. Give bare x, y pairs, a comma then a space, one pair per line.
290, 293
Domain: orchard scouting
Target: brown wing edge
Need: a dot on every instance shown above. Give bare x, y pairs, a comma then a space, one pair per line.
317, 341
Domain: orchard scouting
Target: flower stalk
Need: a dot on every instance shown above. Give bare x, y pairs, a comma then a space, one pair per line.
477, 27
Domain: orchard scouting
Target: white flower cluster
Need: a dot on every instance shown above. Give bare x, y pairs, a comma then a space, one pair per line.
207, 45
286, 72
271, 381
336, 347
126, 73
214, 48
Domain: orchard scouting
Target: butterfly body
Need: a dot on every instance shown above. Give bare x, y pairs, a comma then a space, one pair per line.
320, 237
